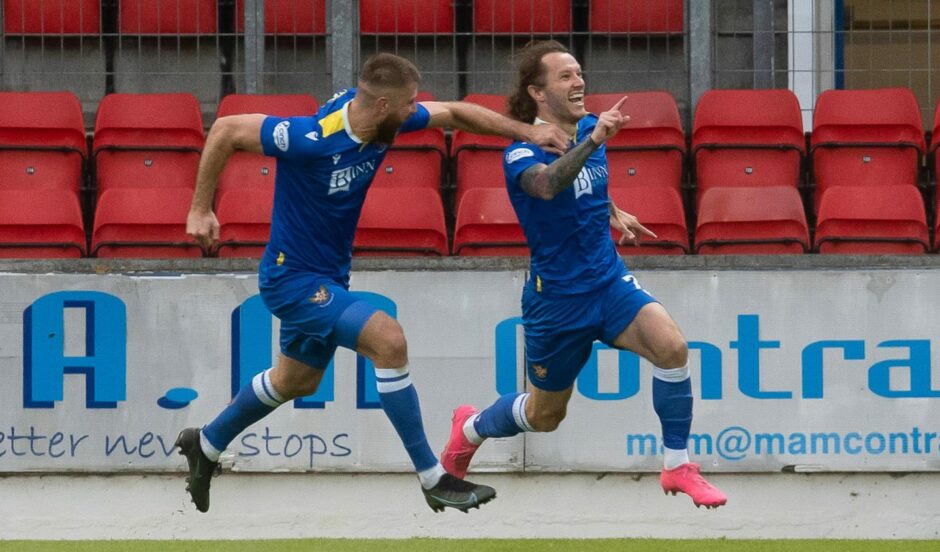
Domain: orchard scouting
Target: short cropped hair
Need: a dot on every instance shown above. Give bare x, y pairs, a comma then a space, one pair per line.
385, 71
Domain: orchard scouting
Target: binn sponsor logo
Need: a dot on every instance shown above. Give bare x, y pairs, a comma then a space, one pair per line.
341, 179
584, 182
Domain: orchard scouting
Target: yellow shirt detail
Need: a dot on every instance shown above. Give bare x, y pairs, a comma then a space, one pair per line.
332, 123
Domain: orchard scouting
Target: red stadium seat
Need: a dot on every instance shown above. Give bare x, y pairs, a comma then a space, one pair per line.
521, 17
747, 138
658, 208
280, 105
487, 225
766, 220
288, 17
42, 141
244, 221
410, 169
468, 140
650, 148
41, 224
401, 222
391, 17
251, 170
479, 158
874, 220
51, 17
167, 17
144, 223
636, 16
40, 170
934, 145
147, 140
247, 171
166, 121
866, 138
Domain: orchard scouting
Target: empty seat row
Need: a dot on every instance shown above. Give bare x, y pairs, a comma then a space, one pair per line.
866, 147
308, 17
748, 153
747, 149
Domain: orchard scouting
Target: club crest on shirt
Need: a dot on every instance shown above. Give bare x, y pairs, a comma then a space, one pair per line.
322, 297
540, 371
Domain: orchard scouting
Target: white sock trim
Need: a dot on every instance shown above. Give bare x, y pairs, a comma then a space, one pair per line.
264, 390
673, 458
518, 412
389, 380
431, 476
672, 375
470, 432
210, 451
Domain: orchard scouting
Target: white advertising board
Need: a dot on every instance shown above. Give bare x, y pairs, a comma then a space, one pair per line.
803, 370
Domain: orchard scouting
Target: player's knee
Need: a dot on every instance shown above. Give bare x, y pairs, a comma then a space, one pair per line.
674, 355
392, 351
294, 385
305, 387
546, 420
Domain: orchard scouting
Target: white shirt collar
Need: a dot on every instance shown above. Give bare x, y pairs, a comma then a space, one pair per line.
574, 137
346, 124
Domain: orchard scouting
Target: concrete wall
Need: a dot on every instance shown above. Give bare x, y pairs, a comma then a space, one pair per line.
776, 506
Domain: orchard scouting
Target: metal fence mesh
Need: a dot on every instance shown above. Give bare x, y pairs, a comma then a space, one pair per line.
94, 47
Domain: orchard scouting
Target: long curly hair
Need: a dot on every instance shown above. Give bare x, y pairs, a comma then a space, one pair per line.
530, 70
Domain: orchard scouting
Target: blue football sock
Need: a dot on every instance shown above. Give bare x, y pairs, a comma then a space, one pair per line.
672, 401
253, 402
504, 418
400, 403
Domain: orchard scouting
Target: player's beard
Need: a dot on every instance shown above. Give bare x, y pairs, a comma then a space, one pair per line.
386, 131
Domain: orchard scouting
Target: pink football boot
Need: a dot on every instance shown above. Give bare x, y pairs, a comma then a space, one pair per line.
459, 451
688, 479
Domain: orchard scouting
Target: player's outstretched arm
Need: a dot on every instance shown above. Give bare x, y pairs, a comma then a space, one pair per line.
547, 181
228, 134
480, 120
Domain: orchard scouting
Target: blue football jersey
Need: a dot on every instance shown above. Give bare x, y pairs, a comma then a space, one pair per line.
323, 173
569, 235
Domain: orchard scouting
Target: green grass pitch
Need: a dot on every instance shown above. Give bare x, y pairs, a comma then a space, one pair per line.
478, 545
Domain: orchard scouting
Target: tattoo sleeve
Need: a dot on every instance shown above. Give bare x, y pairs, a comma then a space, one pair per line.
546, 182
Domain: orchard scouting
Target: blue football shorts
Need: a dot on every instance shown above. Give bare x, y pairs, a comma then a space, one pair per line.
560, 331
317, 314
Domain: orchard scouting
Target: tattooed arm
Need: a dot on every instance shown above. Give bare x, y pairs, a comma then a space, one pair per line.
547, 181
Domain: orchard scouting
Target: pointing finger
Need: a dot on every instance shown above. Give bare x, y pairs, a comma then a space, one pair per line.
645, 231
619, 104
